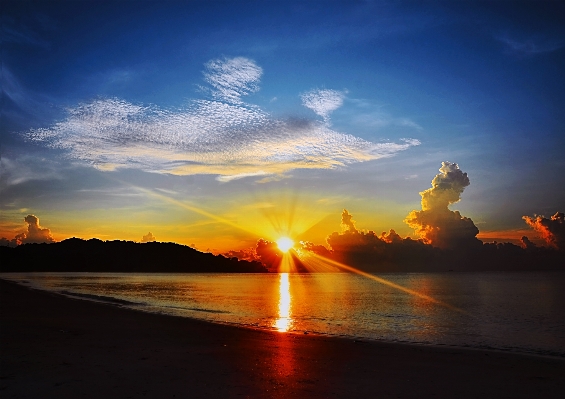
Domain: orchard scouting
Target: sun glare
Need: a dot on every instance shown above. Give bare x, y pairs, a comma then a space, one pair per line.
285, 244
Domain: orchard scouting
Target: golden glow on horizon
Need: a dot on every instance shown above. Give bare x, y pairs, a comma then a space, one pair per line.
284, 322
284, 219
279, 216
285, 244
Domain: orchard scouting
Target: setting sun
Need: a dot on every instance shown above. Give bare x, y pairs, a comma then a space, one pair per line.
285, 244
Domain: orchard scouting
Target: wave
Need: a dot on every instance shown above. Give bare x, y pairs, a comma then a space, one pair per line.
100, 298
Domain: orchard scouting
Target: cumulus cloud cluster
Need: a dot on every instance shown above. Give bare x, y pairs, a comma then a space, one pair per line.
436, 224
351, 239
223, 136
552, 230
35, 234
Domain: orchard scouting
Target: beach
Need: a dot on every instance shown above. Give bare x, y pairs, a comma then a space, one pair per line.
53, 346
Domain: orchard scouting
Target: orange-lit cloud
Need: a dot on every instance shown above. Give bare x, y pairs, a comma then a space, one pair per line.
148, 238
34, 234
269, 254
551, 230
436, 224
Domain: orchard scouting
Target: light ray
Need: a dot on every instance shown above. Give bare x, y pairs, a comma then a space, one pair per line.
192, 208
381, 280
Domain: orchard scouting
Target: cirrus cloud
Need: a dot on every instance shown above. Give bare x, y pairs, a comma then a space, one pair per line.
223, 136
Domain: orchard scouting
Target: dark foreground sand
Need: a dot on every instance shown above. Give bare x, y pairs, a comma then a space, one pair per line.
55, 347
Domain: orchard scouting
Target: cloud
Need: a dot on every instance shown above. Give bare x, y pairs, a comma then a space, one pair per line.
35, 233
323, 101
347, 222
436, 224
551, 230
4, 242
268, 253
377, 119
526, 243
232, 78
532, 45
224, 136
228, 178
27, 168
351, 239
21, 106
371, 252
148, 238
243, 254
18, 32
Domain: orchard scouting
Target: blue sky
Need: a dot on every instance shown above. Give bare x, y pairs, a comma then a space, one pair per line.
229, 105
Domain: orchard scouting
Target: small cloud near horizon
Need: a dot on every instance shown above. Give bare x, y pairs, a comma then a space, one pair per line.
148, 238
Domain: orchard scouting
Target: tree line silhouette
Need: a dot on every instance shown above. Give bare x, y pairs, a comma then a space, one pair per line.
77, 255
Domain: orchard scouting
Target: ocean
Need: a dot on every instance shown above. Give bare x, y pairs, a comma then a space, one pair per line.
519, 312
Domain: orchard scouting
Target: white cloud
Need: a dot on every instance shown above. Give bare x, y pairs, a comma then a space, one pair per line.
323, 101
225, 136
233, 78
227, 178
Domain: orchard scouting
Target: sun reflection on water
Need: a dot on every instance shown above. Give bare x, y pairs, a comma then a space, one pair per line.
284, 322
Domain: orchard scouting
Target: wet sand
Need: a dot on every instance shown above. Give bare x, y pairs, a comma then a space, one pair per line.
56, 347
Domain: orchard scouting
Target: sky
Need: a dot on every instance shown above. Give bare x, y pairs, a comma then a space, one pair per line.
216, 123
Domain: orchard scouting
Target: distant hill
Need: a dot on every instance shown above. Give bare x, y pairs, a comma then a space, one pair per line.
77, 255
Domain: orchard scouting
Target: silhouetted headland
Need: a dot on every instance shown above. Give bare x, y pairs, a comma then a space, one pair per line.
77, 255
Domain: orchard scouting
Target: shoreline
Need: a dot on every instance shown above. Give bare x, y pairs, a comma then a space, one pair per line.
132, 306
55, 346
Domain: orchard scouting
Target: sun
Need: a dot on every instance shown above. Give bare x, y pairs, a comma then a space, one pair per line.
285, 243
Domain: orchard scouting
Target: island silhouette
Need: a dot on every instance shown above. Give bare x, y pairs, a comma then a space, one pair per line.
94, 255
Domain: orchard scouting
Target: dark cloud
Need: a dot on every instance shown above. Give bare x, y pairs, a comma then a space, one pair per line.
389, 252
371, 252
4, 242
391, 237
269, 254
436, 224
551, 230
314, 248
243, 254
351, 239
447, 239
526, 243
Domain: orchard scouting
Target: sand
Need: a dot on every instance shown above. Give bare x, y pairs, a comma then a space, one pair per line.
56, 347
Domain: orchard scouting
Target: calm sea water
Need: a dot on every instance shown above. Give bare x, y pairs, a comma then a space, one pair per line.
523, 312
